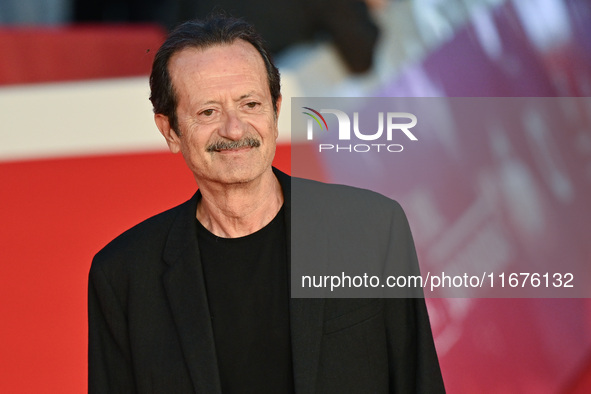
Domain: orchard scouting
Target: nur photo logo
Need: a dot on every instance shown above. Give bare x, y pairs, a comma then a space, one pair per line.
390, 124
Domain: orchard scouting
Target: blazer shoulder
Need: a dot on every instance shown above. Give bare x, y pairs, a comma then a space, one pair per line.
336, 197
146, 238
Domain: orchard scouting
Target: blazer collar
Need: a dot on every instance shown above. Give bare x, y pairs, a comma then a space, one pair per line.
306, 315
185, 288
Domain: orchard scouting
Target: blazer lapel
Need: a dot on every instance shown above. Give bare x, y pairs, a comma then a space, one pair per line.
185, 287
306, 315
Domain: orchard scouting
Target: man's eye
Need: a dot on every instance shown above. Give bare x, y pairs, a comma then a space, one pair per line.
207, 112
252, 104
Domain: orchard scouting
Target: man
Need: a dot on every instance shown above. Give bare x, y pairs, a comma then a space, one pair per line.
196, 299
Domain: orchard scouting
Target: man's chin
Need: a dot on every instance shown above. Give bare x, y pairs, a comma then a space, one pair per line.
238, 175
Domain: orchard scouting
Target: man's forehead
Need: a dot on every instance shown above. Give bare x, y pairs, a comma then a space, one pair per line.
233, 64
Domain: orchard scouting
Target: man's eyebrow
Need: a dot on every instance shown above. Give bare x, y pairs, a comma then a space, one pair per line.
247, 95
244, 96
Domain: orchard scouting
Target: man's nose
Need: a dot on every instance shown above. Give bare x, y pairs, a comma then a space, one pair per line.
234, 126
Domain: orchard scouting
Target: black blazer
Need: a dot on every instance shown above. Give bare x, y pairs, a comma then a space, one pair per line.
150, 328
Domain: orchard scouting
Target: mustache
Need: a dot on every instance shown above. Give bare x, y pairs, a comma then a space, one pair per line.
228, 144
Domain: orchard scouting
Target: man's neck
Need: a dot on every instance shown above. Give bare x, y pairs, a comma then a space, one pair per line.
237, 210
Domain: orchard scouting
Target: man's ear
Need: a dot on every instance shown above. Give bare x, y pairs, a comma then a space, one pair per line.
171, 137
278, 105
277, 111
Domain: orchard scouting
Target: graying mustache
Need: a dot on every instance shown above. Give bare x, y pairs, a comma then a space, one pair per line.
225, 145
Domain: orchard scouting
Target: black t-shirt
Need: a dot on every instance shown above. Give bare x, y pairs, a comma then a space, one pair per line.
247, 290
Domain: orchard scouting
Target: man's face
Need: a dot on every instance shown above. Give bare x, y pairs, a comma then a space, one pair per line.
227, 126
